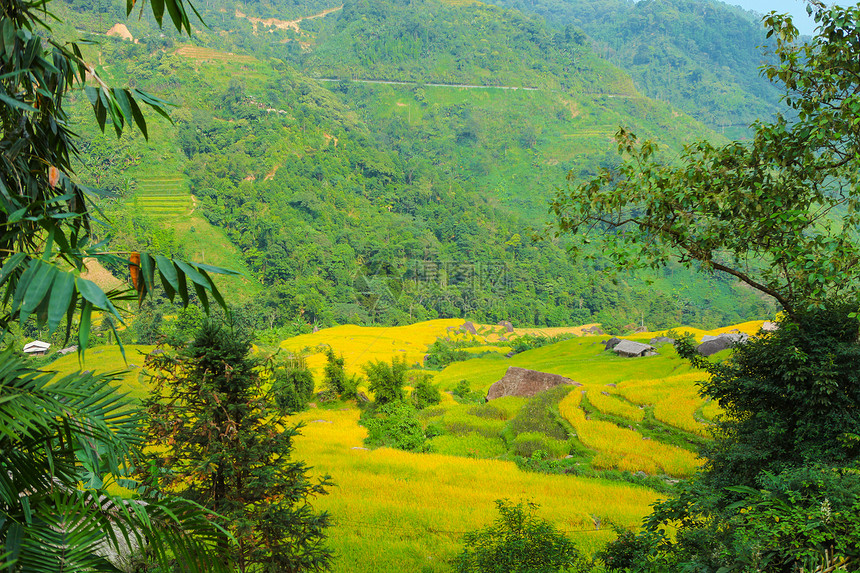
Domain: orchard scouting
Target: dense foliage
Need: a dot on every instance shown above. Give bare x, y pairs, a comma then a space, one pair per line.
519, 542
810, 368
361, 180
702, 56
779, 490
386, 381
778, 213
60, 440
395, 425
218, 437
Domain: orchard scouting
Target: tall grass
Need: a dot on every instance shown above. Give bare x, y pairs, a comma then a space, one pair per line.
398, 511
675, 399
625, 449
613, 404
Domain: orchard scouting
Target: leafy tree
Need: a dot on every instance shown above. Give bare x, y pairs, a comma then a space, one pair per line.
47, 233
56, 435
334, 375
425, 393
777, 212
463, 393
790, 398
225, 447
386, 381
395, 425
60, 440
519, 542
293, 385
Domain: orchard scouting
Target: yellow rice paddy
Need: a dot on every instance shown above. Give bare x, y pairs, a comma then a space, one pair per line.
397, 511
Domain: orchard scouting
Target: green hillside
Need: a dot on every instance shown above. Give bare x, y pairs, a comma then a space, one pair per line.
702, 56
347, 200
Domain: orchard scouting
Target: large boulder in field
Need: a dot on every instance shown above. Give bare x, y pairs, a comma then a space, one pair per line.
611, 343
713, 344
507, 325
525, 382
469, 327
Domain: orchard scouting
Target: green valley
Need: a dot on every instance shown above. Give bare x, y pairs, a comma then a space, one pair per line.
439, 286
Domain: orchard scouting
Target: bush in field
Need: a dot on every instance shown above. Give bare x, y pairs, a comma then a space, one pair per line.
528, 443
293, 385
463, 393
334, 375
440, 354
386, 381
425, 394
395, 425
519, 542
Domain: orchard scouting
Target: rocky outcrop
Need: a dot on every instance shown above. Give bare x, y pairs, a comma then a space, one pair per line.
468, 327
712, 344
507, 325
524, 382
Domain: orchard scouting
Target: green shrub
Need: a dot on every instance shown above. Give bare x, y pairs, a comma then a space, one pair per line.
395, 425
292, 387
425, 394
540, 414
334, 375
386, 381
441, 354
528, 341
519, 542
541, 462
457, 420
488, 411
463, 393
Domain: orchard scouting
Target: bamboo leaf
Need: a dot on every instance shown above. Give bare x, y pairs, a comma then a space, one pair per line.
61, 296
84, 328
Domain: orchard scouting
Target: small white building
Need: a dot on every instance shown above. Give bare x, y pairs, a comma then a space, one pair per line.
36, 348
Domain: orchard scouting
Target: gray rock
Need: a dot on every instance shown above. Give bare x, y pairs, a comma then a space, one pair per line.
468, 327
612, 343
661, 340
508, 326
714, 345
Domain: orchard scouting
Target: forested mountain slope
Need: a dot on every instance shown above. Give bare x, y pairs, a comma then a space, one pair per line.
376, 203
702, 56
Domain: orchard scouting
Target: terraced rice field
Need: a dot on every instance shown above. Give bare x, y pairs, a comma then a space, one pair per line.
401, 511
201, 54
162, 196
